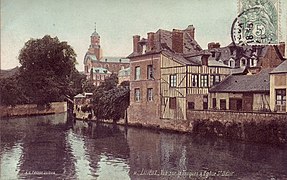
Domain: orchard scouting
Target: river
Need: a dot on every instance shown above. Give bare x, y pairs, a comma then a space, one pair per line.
50, 147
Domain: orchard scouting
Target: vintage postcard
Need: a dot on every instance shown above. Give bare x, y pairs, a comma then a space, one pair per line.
143, 89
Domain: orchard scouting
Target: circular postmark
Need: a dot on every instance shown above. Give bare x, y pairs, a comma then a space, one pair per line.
256, 26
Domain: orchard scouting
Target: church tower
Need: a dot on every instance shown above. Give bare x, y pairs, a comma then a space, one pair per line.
95, 47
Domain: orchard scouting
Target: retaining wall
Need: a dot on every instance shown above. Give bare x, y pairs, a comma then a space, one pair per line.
32, 109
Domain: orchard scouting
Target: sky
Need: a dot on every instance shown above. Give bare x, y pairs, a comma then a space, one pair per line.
117, 21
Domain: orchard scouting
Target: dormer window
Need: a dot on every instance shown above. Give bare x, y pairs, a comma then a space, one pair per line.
97, 71
243, 62
231, 63
105, 71
144, 48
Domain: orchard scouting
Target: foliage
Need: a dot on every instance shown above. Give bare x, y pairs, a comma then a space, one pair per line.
11, 92
109, 100
48, 70
88, 86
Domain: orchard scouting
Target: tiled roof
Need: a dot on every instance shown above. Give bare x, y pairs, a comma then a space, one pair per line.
244, 83
107, 59
282, 68
178, 58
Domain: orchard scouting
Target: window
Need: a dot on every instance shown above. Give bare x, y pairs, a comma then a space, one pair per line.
98, 77
172, 80
190, 105
205, 102
204, 80
222, 104
172, 102
280, 96
214, 103
194, 80
215, 79
231, 63
137, 73
149, 72
137, 94
149, 94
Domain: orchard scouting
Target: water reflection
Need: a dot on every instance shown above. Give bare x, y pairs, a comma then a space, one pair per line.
84, 150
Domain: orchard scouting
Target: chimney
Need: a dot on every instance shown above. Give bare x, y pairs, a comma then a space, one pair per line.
190, 30
204, 59
136, 39
213, 45
150, 41
177, 41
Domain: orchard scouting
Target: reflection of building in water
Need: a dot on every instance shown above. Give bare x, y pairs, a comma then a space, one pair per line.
151, 150
100, 141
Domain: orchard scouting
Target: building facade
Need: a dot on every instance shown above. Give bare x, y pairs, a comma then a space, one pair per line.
170, 73
246, 92
94, 58
278, 88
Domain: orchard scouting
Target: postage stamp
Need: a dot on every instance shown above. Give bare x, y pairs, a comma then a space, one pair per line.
257, 22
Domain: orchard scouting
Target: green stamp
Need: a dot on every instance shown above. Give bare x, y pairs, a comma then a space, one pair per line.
257, 23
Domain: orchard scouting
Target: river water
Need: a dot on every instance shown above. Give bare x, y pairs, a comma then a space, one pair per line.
50, 147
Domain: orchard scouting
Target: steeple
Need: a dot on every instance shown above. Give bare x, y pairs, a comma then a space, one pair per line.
95, 47
95, 32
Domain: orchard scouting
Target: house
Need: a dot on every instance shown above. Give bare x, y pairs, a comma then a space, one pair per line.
94, 58
124, 75
98, 75
170, 73
242, 92
278, 88
264, 56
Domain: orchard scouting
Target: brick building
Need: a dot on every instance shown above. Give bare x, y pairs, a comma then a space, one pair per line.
94, 58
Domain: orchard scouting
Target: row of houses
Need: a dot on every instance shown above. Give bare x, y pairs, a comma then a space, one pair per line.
171, 74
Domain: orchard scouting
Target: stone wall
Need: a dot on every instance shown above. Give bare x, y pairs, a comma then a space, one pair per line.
247, 126
32, 109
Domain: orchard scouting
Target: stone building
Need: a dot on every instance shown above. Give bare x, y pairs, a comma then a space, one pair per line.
170, 73
278, 88
94, 58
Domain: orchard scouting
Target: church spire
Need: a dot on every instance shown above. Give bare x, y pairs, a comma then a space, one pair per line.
95, 32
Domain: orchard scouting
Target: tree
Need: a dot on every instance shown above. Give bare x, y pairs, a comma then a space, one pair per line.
47, 70
11, 92
111, 101
88, 86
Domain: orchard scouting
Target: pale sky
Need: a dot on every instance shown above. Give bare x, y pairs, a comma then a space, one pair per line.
117, 21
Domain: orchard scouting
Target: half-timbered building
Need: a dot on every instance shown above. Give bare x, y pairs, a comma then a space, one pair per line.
170, 73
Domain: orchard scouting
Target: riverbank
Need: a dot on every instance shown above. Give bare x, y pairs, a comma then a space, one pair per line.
32, 110
258, 127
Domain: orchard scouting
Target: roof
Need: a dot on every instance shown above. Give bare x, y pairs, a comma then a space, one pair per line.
244, 83
214, 63
125, 72
163, 41
79, 96
108, 59
100, 70
282, 68
178, 58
